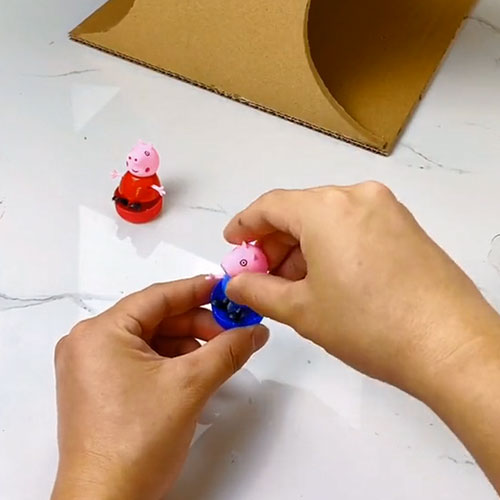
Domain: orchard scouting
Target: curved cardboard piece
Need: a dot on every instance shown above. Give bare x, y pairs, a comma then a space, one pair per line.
377, 57
231, 50
316, 62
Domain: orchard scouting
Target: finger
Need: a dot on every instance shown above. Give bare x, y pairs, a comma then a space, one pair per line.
270, 296
278, 210
141, 312
224, 355
173, 347
277, 246
197, 323
293, 267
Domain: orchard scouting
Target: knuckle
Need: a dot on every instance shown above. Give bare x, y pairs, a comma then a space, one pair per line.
128, 323
81, 329
154, 287
376, 190
334, 197
78, 336
60, 348
270, 196
281, 194
276, 192
71, 347
331, 194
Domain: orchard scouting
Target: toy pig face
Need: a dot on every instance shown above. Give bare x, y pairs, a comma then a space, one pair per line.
143, 160
245, 258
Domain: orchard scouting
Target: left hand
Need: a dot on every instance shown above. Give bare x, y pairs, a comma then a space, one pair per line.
131, 384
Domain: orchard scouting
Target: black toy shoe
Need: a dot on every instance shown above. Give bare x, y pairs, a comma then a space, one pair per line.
221, 304
236, 315
120, 201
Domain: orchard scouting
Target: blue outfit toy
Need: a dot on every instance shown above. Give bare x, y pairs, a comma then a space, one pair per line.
228, 314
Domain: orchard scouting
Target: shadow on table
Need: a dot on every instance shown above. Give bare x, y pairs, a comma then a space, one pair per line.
243, 420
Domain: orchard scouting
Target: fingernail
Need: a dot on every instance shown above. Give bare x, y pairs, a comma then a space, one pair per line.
260, 337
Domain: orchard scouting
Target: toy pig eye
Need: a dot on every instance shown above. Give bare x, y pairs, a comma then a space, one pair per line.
135, 159
129, 157
147, 153
244, 263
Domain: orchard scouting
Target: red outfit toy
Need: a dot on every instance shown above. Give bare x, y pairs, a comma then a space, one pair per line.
139, 197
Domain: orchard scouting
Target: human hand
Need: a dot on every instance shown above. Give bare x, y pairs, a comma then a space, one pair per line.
131, 384
356, 274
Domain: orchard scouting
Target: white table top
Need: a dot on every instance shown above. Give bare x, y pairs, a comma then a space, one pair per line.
295, 424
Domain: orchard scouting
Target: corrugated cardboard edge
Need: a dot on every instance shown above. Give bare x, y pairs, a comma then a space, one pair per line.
334, 103
385, 150
425, 89
122, 6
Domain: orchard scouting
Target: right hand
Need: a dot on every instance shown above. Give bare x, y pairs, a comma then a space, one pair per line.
355, 273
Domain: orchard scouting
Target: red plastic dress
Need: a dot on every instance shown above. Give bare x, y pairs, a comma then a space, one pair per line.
136, 200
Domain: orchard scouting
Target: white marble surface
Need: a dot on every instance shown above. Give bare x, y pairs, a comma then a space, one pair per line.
295, 424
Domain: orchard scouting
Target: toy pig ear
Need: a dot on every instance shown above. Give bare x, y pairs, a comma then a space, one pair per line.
244, 244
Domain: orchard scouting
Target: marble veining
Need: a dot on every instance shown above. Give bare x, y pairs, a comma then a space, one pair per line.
217, 210
9, 302
456, 461
67, 73
486, 24
494, 254
432, 162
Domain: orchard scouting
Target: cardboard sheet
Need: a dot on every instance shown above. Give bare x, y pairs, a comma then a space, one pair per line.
354, 70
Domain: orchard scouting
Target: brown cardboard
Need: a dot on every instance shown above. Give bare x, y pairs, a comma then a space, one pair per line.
352, 69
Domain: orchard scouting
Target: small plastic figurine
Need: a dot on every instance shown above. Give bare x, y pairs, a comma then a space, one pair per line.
246, 258
139, 197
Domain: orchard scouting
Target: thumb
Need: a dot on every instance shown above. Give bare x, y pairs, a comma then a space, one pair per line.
270, 296
224, 355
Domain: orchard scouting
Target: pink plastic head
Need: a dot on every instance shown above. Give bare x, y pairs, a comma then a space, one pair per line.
246, 258
143, 160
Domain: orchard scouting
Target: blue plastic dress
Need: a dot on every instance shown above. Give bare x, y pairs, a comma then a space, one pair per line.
228, 314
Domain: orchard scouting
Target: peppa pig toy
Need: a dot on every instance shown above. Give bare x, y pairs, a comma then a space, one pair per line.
139, 197
246, 258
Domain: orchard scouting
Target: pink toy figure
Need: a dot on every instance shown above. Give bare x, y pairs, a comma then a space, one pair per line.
139, 197
246, 258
